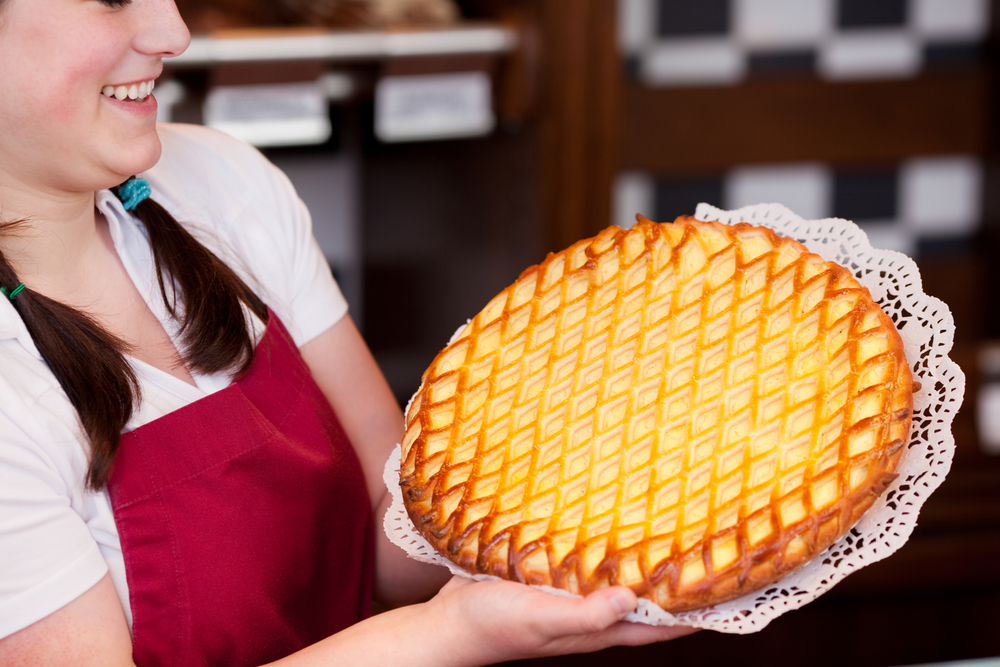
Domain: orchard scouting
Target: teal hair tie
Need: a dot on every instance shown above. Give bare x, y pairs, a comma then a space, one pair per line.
134, 191
12, 295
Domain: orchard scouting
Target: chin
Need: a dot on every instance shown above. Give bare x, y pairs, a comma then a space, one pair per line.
142, 154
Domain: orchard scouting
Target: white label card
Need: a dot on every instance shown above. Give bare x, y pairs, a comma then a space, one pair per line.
435, 106
270, 115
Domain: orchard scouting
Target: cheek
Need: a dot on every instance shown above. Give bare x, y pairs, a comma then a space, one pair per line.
77, 85
69, 74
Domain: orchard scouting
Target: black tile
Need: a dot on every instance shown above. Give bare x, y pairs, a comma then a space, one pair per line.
633, 67
871, 13
680, 197
865, 195
946, 247
777, 63
949, 54
693, 17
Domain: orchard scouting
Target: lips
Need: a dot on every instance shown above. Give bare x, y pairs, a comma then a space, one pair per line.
134, 91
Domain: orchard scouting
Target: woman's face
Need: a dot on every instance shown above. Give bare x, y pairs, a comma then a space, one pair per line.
59, 131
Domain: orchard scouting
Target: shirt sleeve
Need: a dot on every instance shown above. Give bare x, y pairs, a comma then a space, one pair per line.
284, 256
47, 555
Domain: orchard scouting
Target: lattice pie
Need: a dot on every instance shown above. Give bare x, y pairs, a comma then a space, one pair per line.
690, 409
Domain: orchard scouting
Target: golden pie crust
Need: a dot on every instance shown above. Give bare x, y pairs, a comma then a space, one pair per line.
690, 409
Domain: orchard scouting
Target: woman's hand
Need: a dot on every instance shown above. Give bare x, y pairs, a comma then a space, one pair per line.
508, 621
480, 623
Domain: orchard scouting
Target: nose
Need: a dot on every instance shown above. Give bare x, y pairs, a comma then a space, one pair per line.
162, 32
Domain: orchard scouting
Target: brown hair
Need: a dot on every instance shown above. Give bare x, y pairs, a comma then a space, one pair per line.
90, 363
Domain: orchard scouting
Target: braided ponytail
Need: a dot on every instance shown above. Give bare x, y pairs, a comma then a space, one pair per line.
90, 362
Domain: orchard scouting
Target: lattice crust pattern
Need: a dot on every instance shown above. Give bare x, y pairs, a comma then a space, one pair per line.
691, 409
927, 329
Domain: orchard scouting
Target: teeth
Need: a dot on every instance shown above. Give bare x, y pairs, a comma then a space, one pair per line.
135, 91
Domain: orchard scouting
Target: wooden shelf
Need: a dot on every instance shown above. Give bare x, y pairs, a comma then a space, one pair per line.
281, 44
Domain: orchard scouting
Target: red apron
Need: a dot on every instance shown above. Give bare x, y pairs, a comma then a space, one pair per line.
244, 520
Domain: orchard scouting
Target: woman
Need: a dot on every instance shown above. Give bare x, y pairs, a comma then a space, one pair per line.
192, 431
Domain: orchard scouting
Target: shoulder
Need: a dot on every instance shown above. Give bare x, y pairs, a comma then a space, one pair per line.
187, 147
224, 191
201, 169
243, 208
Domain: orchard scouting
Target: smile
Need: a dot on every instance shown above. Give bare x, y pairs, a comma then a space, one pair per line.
135, 91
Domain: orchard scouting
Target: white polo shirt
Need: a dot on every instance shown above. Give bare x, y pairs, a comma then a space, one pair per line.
56, 538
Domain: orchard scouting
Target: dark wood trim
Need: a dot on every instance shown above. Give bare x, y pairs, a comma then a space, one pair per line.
690, 130
578, 117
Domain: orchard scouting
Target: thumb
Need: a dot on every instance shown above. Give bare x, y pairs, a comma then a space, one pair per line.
608, 606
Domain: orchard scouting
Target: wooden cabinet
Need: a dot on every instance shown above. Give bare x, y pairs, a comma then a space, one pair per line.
445, 225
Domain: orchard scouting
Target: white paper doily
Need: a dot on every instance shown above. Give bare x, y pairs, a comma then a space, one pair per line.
927, 328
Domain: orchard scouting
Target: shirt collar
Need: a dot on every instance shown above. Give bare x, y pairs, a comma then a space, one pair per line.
11, 327
108, 204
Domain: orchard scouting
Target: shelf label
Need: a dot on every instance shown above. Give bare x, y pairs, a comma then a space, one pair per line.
435, 106
286, 114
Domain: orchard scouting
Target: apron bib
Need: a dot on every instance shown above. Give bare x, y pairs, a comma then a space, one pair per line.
244, 520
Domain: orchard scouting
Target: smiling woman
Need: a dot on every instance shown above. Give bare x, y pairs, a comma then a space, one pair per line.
66, 54
192, 432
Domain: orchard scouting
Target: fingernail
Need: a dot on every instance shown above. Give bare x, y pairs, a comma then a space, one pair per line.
623, 602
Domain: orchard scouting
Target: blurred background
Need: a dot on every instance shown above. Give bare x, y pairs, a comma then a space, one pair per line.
445, 145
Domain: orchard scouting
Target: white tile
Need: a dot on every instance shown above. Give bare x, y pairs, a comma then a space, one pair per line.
782, 23
988, 417
941, 196
635, 192
950, 19
865, 54
693, 61
636, 25
803, 188
891, 235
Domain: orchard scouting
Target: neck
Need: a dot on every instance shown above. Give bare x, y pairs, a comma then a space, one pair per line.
52, 238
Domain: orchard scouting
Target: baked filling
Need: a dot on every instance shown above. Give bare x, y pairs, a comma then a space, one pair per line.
690, 409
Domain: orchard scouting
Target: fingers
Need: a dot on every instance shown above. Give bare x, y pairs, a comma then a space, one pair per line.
520, 621
624, 601
600, 624
602, 609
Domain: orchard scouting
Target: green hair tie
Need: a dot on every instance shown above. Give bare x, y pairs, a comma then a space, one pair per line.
12, 295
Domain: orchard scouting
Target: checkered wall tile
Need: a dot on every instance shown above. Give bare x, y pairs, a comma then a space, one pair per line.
921, 207
691, 42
